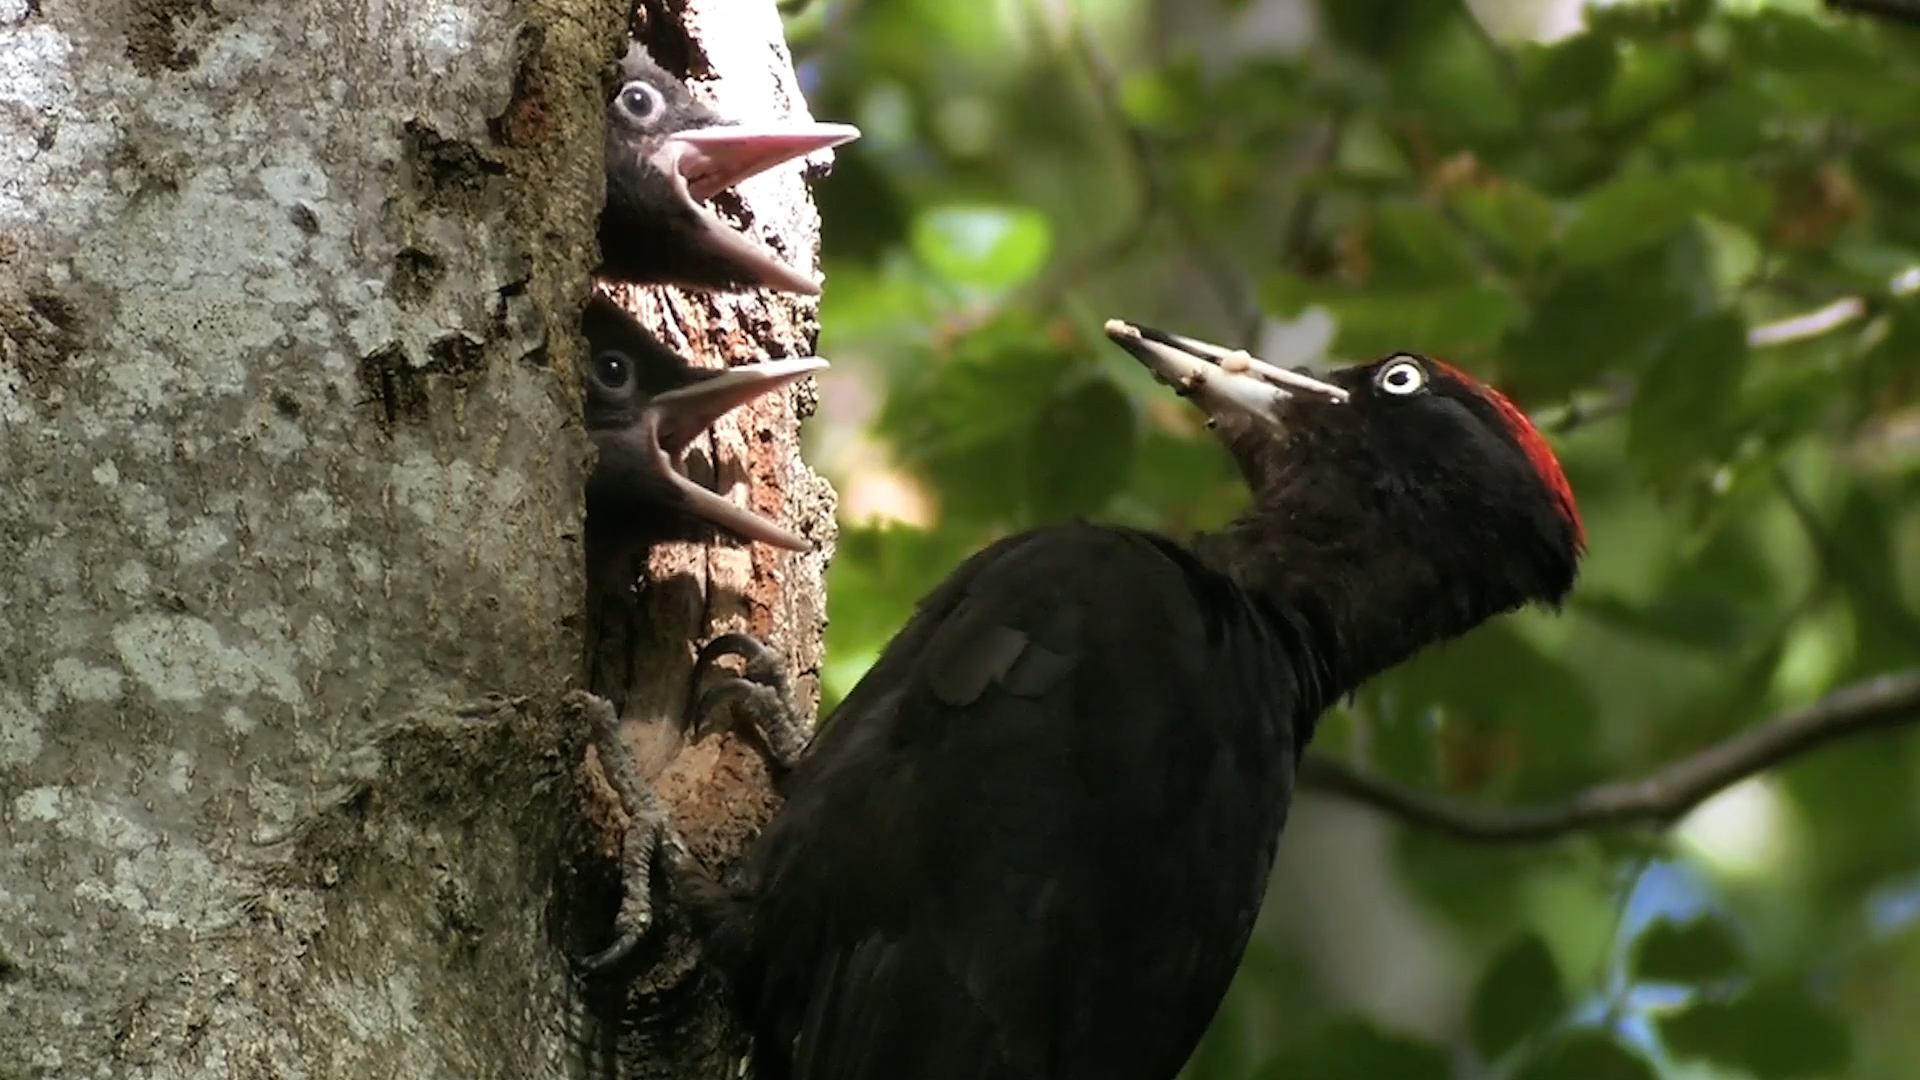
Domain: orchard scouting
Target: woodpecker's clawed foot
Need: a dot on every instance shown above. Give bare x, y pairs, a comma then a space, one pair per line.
757, 697
650, 838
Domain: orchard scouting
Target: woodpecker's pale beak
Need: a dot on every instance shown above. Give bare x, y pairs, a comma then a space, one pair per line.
672, 420
702, 162
1216, 378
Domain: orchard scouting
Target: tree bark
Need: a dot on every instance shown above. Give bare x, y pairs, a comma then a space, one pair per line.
290, 583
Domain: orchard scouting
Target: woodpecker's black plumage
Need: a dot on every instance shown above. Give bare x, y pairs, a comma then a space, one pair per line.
666, 154
1032, 842
644, 405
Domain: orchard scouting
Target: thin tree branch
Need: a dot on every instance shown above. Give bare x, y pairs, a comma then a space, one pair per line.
1821, 320
1659, 798
1830, 316
1580, 411
1584, 409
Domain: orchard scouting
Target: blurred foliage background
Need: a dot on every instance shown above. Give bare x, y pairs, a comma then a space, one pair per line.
1685, 235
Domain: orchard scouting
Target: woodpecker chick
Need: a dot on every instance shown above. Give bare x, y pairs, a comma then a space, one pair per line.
644, 405
667, 154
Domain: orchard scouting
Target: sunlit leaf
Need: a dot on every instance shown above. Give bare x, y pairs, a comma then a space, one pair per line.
1366, 151
994, 247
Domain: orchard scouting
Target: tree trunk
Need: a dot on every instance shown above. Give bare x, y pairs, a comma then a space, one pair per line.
290, 583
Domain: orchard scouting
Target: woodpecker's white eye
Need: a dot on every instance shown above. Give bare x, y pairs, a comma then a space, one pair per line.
1402, 376
641, 102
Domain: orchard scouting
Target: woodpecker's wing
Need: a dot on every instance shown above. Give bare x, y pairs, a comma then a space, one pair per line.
1033, 840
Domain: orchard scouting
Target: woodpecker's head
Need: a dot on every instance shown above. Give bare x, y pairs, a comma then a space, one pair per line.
667, 154
645, 405
1417, 483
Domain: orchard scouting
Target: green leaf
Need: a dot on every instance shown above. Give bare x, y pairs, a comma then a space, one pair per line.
1367, 152
1414, 246
1456, 82
1354, 1049
1480, 889
1520, 995
1642, 208
1701, 951
1732, 255
1634, 211
1539, 709
1569, 72
1597, 321
1451, 321
1793, 42
993, 247
1690, 617
962, 420
1649, 76
877, 575
1080, 451
1511, 216
1169, 99
1686, 393
1776, 1031
1189, 483
1385, 29
1732, 121
1588, 1054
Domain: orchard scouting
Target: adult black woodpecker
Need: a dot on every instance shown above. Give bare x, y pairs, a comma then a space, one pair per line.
667, 154
1032, 842
644, 405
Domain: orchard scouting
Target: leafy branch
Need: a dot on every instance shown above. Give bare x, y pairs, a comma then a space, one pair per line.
1617, 398
1658, 798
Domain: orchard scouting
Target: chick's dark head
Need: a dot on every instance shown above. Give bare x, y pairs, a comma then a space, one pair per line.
645, 404
667, 154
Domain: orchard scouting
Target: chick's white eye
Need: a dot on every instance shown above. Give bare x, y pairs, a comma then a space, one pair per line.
640, 101
1403, 376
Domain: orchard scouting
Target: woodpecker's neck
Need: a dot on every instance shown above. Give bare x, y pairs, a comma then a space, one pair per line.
1360, 601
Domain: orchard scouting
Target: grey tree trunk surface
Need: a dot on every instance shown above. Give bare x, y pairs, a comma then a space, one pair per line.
290, 583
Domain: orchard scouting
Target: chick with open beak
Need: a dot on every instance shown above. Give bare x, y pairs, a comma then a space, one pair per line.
645, 405
667, 154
